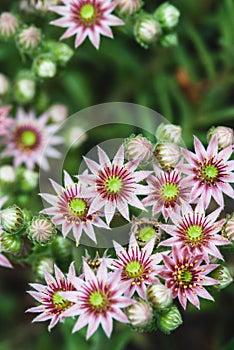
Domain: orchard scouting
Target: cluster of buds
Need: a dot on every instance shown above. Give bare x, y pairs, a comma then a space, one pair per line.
12, 221
157, 27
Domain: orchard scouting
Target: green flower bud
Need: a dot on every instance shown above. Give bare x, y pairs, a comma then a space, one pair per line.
159, 296
169, 40
167, 15
60, 51
61, 248
140, 316
12, 219
42, 264
24, 87
223, 276
10, 243
147, 30
170, 320
44, 66
41, 230
7, 175
167, 155
28, 179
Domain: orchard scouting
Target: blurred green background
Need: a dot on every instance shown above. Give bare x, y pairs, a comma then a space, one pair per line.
191, 85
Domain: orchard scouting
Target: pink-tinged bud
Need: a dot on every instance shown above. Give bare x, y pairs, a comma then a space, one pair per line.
29, 38
159, 296
225, 136
169, 133
127, 7
140, 314
4, 85
8, 25
167, 155
228, 228
57, 113
138, 148
41, 230
43, 5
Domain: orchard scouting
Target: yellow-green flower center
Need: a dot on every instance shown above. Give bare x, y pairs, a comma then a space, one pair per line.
210, 172
185, 276
77, 207
194, 233
134, 269
97, 300
28, 138
169, 192
113, 184
60, 302
146, 233
87, 12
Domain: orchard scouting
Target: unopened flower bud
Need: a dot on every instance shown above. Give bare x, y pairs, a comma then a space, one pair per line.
138, 148
61, 248
4, 85
57, 113
169, 40
147, 30
168, 133
167, 15
8, 25
159, 296
127, 7
167, 155
140, 314
24, 88
145, 229
28, 179
12, 219
170, 320
10, 243
7, 174
41, 230
60, 51
75, 137
228, 228
223, 276
44, 66
225, 136
29, 38
43, 5
42, 264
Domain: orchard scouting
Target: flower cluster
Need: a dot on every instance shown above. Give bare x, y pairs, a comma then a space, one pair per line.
137, 285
